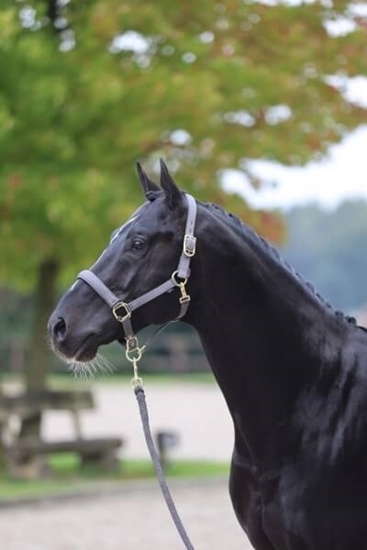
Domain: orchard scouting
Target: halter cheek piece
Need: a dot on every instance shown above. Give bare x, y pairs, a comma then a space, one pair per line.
122, 311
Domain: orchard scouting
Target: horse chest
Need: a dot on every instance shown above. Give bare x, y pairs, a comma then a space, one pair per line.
294, 511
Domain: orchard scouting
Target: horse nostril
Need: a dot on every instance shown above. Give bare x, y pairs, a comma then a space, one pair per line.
59, 329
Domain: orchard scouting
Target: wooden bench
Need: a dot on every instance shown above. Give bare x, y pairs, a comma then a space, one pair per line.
25, 456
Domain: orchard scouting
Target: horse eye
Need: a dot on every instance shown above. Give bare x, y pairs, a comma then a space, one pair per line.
137, 244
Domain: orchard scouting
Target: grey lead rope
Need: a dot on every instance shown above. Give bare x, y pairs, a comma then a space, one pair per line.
140, 396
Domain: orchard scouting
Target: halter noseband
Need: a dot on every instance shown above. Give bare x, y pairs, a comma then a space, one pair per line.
122, 311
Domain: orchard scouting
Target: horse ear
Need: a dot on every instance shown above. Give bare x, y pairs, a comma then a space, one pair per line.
146, 183
172, 192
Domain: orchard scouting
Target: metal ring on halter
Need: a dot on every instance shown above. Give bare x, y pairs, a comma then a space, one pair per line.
175, 281
129, 354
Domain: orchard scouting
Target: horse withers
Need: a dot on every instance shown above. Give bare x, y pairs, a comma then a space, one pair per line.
293, 372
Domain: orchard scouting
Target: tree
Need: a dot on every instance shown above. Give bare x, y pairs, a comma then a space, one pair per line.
90, 87
328, 248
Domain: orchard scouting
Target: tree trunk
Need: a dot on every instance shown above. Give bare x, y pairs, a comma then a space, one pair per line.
39, 359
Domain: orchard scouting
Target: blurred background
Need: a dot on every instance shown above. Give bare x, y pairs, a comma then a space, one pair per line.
260, 106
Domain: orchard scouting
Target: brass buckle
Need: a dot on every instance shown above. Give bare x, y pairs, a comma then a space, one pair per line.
118, 317
189, 245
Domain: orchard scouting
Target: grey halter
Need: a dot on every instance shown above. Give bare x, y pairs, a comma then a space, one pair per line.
122, 311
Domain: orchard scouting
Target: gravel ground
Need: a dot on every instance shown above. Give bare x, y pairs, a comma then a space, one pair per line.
136, 519
196, 412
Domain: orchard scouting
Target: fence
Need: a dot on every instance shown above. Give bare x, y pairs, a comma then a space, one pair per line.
177, 349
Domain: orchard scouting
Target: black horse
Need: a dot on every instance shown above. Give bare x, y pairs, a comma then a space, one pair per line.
293, 371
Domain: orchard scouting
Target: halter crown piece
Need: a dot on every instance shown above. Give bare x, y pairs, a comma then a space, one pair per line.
122, 311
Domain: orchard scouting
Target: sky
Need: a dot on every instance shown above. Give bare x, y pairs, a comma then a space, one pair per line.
342, 175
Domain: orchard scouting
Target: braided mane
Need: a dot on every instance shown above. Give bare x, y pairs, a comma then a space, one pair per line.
268, 248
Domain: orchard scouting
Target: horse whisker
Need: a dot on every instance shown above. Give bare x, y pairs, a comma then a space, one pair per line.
89, 369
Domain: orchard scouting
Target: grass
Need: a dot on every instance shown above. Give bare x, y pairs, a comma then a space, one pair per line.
68, 381
68, 477
125, 378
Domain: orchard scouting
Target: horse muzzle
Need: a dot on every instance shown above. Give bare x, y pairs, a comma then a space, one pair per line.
70, 344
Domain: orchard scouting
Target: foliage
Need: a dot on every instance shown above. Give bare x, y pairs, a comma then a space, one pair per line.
329, 249
88, 87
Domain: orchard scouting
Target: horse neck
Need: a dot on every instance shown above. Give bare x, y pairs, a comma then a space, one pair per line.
264, 333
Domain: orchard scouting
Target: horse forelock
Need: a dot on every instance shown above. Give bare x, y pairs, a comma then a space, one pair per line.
138, 212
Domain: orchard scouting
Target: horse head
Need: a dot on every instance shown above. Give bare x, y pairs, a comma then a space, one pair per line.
141, 254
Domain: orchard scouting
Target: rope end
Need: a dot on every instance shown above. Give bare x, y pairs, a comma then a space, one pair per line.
137, 384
